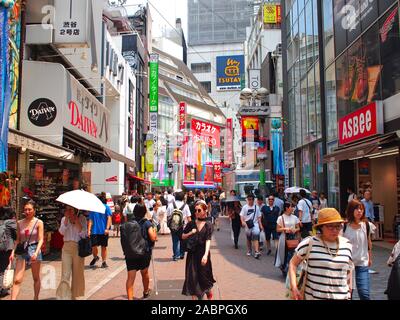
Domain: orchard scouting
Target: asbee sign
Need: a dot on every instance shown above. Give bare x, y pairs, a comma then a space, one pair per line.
363, 123
229, 72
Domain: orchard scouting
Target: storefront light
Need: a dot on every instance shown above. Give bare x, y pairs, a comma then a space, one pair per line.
384, 155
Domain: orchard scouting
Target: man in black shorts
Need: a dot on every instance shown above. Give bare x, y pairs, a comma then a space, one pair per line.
269, 217
98, 230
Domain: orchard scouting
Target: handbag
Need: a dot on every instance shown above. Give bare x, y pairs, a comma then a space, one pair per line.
250, 223
8, 277
85, 247
302, 279
22, 248
290, 244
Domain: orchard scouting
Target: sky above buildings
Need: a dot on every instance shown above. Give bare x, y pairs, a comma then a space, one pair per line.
170, 10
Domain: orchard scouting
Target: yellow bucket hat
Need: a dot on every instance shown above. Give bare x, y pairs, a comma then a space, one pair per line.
328, 215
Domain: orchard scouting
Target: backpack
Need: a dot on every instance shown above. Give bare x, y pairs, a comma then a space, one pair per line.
4, 240
175, 221
133, 240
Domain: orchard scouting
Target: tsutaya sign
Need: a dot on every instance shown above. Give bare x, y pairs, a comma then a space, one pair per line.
77, 109
361, 124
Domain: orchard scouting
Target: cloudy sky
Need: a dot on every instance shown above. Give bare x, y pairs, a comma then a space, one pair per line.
170, 10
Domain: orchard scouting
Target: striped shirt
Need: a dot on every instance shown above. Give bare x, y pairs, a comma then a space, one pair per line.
327, 275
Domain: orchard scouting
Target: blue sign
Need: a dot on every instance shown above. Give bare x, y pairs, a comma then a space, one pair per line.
229, 72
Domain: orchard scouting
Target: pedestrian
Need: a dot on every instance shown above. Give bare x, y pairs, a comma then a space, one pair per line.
323, 201
369, 206
130, 207
278, 202
117, 219
352, 195
269, 217
73, 227
137, 240
288, 225
98, 231
358, 231
234, 209
123, 202
8, 236
232, 193
169, 197
316, 204
191, 200
251, 220
161, 213
214, 207
329, 261
178, 215
393, 285
199, 278
149, 202
304, 207
260, 205
30, 235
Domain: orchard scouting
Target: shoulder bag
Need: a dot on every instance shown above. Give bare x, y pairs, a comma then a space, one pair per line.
22, 247
302, 280
250, 223
290, 244
8, 277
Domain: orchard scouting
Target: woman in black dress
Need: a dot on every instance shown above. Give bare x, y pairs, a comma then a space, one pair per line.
199, 278
234, 209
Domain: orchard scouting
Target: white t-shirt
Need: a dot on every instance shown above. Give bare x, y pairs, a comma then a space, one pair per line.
185, 211
251, 213
359, 241
305, 205
149, 204
290, 221
129, 209
170, 198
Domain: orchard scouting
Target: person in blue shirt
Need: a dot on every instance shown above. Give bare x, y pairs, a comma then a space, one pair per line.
369, 206
98, 230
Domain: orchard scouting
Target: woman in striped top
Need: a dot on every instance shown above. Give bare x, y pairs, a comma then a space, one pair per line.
329, 265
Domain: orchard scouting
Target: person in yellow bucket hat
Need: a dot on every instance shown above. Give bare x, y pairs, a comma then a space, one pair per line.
328, 257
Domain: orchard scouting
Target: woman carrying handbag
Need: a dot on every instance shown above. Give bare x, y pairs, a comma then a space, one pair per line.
73, 227
288, 225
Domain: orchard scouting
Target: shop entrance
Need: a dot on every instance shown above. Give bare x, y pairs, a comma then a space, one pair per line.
347, 179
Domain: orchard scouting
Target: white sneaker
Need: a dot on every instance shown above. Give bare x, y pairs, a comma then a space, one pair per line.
248, 253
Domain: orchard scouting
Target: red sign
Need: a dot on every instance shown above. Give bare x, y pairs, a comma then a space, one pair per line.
250, 129
217, 172
361, 124
228, 143
278, 13
112, 179
206, 132
182, 116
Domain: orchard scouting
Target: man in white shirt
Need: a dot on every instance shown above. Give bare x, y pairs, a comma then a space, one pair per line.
305, 214
251, 217
178, 249
169, 197
128, 210
149, 202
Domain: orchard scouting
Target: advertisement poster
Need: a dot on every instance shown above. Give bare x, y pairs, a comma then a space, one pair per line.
229, 142
39, 172
206, 132
217, 173
272, 13
182, 116
250, 129
229, 72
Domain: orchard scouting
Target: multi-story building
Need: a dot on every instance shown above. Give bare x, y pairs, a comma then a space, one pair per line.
217, 31
341, 99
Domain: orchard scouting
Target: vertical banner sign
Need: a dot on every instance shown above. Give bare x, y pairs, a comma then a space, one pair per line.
150, 156
254, 79
154, 132
228, 143
286, 170
182, 116
250, 129
217, 173
153, 85
272, 14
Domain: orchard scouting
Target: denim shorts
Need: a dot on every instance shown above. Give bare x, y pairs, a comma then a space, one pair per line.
31, 250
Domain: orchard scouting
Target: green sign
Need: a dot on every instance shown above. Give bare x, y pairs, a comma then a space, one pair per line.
153, 83
162, 183
243, 82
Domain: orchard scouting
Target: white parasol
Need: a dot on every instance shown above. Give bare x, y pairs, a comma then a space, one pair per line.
296, 190
82, 200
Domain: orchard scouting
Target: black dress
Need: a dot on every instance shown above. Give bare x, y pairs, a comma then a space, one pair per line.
198, 279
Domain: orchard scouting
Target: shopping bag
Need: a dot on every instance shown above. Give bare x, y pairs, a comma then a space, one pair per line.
8, 277
262, 236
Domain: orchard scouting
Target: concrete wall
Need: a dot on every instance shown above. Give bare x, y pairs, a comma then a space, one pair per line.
384, 187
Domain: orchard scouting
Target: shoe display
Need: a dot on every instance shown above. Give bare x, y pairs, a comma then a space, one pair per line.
93, 262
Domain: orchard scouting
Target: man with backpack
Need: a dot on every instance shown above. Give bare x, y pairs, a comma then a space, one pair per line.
128, 210
137, 240
305, 210
178, 215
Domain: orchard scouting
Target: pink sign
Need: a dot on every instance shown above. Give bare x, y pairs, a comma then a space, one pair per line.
206, 132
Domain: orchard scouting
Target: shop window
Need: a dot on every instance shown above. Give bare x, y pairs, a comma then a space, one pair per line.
340, 34
304, 115
333, 184
328, 31
330, 97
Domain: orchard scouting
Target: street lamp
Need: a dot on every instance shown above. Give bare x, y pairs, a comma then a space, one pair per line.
251, 95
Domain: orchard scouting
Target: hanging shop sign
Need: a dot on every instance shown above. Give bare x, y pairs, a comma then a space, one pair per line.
154, 132
361, 124
217, 173
262, 148
250, 129
228, 158
254, 79
229, 72
182, 116
206, 132
272, 13
71, 22
53, 99
153, 83
259, 111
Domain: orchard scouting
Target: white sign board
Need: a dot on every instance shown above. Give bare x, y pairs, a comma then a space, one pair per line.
154, 132
71, 22
258, 111
254, 79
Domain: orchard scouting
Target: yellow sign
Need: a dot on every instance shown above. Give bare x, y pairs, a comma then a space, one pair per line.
272, 13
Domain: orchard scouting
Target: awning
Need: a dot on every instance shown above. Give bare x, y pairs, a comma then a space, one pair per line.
120, 158
139, 179
22, 140
364, 148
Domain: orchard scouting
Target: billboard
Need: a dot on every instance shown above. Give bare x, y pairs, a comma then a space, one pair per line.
229, 72
250, 129
272, 13
206, 132
182, 116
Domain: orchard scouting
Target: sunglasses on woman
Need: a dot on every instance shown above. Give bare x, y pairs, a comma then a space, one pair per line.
199, 210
